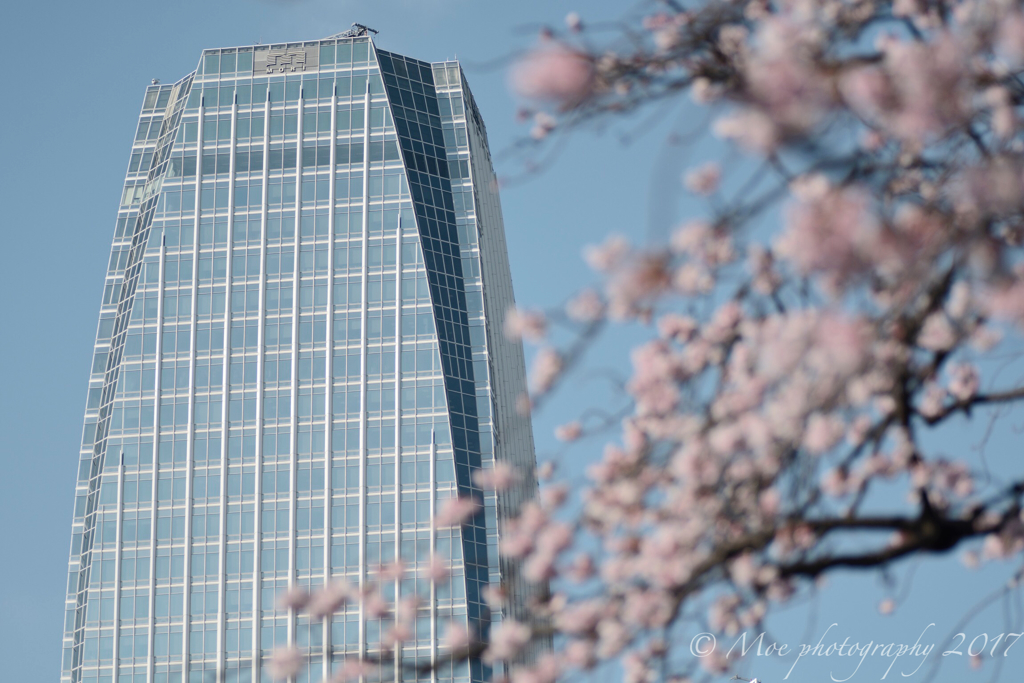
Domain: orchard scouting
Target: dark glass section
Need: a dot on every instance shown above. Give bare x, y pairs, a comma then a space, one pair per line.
410, 89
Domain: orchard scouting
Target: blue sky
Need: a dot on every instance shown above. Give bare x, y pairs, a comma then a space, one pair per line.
74, 78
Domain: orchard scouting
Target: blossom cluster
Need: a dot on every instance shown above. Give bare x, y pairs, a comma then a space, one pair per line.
805, 334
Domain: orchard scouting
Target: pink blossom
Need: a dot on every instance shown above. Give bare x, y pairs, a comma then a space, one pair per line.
872, 141
653, 382
399, 633
995, 547
703, 180
523, 404
405, 609
456, 511
580, 653
545, 670
705, 91
715, 662
918, 92
743, 570
933, 401
547, 366
1007, 302
830, 232
636, 283
751, 129
543, 124
907, 8
612, 638
586, 306
823, 432
570, 431
836, 482
964, 381
770, 501
437, 570
960, 300
866, 89
724, 322
1010, 39
456, 638
539, 566
498, 478
545, 470
286, 663
677, 327
732, 39
295, 598
554, 538
993, 187
984, 338
693, 278
858, 431
393, 571
754, 615
783, 79
507, 639
886, 606
710, 246
529, 325
648, 609
636, 669
351, 669
554, 73
581, 568
723, 614
937, 333
374, 604
329, 599
1004, 117
843, 342
554, 496
666, 29
494, 596
607, 256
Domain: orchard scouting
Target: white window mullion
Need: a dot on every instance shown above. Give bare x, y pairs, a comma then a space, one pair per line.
223, 493
294, 398
256, 624
117, 560
329, 375
156, 447
186, 618
362, 364
398, 426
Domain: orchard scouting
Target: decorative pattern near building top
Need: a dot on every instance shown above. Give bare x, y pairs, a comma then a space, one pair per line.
286, 60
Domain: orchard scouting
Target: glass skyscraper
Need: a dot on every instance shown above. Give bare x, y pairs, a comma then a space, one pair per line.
299, 353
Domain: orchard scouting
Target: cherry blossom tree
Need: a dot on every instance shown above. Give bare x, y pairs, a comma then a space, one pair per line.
846, 295
843, 298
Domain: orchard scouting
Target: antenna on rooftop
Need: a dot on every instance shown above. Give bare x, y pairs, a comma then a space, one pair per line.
356, 31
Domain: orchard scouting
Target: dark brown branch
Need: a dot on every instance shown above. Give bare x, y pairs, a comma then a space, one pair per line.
977, 400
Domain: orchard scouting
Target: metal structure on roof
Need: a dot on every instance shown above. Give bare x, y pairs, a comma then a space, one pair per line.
356, 31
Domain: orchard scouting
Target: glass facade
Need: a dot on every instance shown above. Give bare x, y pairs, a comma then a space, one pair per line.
299, 354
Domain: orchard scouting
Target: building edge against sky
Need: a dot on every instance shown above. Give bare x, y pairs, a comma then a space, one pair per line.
299, 353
